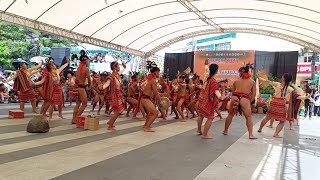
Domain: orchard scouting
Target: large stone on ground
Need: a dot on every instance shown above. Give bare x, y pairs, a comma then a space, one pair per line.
38, 124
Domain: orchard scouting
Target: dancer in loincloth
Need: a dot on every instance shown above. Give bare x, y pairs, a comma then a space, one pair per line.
181, 93
23, 85
95, 90
243, 93
115, 96
82, 76
101, 91
149, 92
208, 102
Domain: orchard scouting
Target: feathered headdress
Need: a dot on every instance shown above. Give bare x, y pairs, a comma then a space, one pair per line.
244, 71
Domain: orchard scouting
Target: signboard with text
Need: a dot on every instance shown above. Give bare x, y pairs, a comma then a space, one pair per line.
305, 69
229, 63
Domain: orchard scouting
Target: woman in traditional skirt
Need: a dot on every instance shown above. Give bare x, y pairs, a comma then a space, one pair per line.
23, 84
52, 88
208, 102
70, 84
278, 106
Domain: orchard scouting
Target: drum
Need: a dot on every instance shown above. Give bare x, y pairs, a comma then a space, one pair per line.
165, 103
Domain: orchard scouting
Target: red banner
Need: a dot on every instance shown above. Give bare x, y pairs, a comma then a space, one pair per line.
304, 69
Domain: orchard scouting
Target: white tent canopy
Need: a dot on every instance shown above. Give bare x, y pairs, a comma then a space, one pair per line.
142, 26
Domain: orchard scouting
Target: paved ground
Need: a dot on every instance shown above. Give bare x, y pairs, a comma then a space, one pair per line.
173, 152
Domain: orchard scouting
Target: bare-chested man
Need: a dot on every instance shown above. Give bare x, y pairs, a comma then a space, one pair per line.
181, 97
82, 76
243, 93
151, 90
115, 96
133, 96
95, 90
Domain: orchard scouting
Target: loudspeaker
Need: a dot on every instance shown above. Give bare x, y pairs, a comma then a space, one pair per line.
59, 53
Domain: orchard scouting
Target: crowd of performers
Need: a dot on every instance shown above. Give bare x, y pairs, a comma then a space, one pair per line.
189, 97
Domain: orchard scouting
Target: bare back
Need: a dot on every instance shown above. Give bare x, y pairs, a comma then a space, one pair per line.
245, 86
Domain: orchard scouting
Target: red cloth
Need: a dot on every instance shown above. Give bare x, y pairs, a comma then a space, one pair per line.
208, 101
21, 83
114, 95
277, 109
27, 96
56, 97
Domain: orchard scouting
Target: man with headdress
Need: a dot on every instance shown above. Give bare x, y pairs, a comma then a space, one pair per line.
23, 84
114, 95
82, 76
150, 91
243, 93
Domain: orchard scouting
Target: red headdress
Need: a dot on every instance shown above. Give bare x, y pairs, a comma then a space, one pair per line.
244, 71
82, 63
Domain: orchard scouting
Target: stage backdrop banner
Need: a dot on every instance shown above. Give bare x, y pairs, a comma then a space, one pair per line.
229, 63
177, 62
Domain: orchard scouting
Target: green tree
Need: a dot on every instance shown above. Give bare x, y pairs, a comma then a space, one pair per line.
19, 42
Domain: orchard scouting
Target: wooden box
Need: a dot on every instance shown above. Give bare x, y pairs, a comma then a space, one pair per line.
16, 114
91, 123
80, 121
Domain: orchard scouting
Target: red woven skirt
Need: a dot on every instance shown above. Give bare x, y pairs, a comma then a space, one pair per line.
71, 93
116, 101
57, 94
27, 96
277, 109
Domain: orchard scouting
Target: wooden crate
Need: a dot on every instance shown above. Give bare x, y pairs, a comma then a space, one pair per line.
91, 123
16, 114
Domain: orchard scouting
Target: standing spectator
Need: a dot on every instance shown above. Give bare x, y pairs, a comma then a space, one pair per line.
316, 104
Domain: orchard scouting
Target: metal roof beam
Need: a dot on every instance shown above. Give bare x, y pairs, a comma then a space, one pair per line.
29, 23
300, 42
187, 4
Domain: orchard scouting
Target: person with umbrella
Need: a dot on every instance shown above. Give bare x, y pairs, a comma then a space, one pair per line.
23, 84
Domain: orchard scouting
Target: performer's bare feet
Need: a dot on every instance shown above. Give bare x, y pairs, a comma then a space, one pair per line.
199, 133
252, 137
135, 118
176, 117
291, 128
193, 116
259, 130
270, 126
111, 128
163, 120
277, 136
61, 117
35, 111
225, 133
206, 137
183, 120
148, 130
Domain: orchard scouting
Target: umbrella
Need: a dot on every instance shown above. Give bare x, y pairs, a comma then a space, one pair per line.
16, 62
38, 59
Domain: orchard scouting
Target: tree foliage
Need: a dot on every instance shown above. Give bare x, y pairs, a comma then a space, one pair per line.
19, 42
